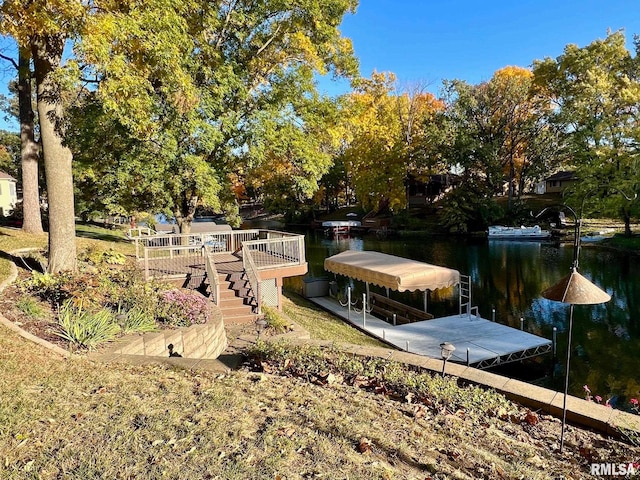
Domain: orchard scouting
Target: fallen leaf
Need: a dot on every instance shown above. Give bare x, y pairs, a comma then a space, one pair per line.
364, 446
588, 453
286, 432
531, 418
419, 411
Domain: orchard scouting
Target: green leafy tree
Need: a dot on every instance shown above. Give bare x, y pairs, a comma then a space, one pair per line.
596, 90
497, 131
221, 89
10, 153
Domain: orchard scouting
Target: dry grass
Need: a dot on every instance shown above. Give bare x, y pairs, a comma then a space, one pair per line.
74, 419
13, 239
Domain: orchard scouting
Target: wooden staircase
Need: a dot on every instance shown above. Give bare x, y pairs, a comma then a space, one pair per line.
237, 302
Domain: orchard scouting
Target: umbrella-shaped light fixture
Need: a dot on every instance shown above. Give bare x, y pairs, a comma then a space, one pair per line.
576, 290
573, 289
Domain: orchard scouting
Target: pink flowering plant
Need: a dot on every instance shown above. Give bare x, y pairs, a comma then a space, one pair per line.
182, 308
634, 404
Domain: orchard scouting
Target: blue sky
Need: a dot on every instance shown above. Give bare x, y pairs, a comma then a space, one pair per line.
428, 41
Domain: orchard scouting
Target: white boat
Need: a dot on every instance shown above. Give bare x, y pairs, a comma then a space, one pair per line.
595, 237
518, 233
340, 227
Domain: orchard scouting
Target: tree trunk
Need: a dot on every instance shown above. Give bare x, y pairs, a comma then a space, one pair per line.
47, 54
626, 215
32, 220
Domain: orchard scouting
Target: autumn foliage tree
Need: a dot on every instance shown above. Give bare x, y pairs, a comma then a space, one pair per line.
385, 130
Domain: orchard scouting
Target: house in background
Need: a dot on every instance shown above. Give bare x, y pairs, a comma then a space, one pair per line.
424, 190
559, 182
8, 194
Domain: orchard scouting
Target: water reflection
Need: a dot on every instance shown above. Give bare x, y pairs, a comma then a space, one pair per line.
509, 276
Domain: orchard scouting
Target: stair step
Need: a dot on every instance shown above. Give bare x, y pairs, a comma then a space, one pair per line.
228, 293
239, 319
231, 302
241, 310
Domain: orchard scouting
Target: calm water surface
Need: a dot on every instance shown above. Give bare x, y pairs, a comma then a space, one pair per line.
508, 277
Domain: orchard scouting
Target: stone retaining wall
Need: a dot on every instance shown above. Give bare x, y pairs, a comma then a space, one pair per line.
205, 341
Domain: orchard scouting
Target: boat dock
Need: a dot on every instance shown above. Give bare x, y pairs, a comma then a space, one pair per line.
479, 343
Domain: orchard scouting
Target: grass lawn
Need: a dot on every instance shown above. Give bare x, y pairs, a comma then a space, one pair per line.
87, 236
322, 325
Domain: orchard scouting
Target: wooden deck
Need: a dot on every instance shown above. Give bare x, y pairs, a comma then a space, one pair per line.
488, 343
226, 263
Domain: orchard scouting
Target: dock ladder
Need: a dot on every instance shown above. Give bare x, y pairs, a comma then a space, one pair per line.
465, 297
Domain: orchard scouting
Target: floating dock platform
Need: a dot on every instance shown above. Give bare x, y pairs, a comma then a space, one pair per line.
479, 343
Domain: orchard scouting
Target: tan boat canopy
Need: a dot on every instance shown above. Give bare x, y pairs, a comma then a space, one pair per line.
389, 271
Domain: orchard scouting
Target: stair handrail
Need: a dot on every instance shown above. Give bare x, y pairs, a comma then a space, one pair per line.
212, 274
253, 276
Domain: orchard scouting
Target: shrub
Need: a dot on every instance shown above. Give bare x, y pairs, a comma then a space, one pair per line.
97, 256
46, 286
85, 328
136, 320
275, 322
182, 308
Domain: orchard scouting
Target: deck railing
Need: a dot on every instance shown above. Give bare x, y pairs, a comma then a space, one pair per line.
172, 255
220, 242
254, 278
173, 261
277, 250
212, 275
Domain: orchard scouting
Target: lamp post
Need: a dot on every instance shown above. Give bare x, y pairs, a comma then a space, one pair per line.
446, 349
261, 324
573, 289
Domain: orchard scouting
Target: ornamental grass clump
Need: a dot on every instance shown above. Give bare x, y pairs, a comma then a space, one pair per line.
136, 320
182, 308
85, 328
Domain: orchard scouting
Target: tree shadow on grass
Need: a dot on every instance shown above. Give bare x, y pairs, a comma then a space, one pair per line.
105, 235
23, 262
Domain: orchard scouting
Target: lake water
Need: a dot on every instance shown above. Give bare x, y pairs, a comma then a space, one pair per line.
509, 277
